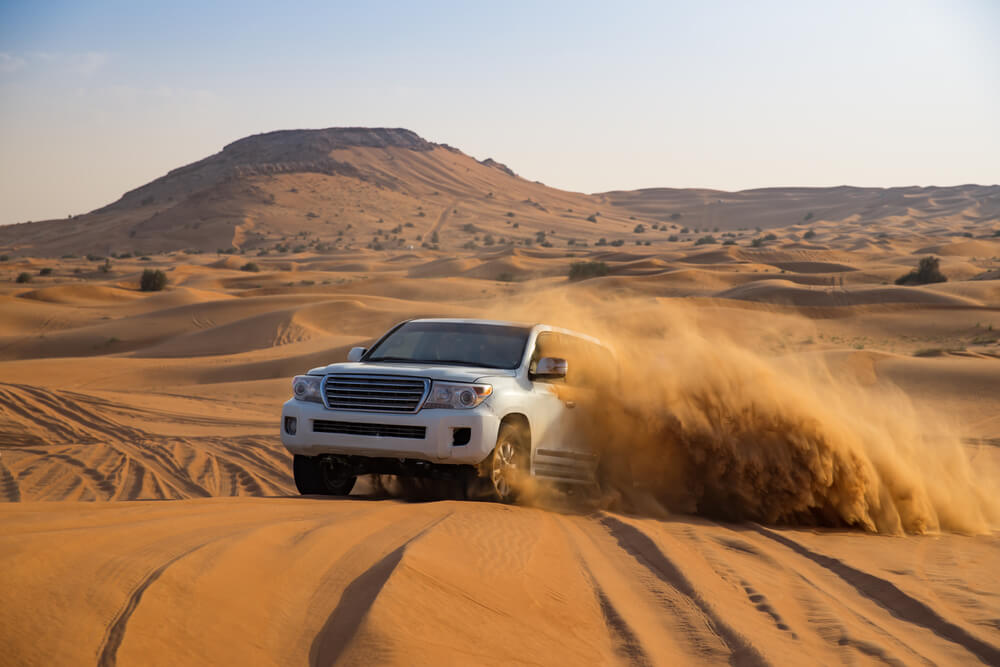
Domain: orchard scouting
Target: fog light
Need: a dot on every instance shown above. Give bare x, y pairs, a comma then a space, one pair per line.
461, 436
291, 425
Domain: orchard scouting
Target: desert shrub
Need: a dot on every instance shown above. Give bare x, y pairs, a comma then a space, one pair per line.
673, 238
488, 240
639, 229
705, 240
685, 230
808, 216
757, 242
510, 214
618, 243
602, 241
23, 277
505, 277
675, 216
592, 217
106, 267
770, 237
809, 234
152, 280
47, 271
469, 228
729, 242
545, 244
4, 258
585, 270
250, 266
469, 245
928, 271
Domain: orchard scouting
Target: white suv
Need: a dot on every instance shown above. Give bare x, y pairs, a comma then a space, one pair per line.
480, 402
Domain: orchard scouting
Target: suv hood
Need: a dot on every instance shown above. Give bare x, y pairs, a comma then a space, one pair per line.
443, 373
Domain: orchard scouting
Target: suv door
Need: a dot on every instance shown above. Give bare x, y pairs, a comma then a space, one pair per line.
560, 447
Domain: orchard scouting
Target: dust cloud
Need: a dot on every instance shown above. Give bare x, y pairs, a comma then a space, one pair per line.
702, 420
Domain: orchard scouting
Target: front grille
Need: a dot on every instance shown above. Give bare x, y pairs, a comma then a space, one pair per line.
373, 430
374, 393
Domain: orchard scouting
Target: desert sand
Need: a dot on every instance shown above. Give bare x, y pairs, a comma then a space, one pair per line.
812, 452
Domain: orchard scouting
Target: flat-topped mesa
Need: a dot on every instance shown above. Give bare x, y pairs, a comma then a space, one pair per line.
283, 151
305, 145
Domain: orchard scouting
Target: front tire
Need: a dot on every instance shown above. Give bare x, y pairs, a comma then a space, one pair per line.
507, 466
317, 475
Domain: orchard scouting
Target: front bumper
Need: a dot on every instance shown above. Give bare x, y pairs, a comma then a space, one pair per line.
437, 445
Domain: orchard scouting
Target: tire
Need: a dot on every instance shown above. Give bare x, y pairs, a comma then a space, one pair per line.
507, 465
315, 475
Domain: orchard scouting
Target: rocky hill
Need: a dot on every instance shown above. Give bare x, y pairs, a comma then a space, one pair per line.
389, 189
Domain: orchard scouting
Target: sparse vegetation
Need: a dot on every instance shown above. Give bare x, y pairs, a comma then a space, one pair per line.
639, 229
23, 277
928, 271
46, 271
809, 234
250, 266
4, 258
585, 270
808, 216
592, 217
705, 240
152, 280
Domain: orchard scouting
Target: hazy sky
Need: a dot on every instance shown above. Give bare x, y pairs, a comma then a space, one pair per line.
97, 98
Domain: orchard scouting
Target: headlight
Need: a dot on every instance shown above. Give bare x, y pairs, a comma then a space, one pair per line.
307, 388
457, 395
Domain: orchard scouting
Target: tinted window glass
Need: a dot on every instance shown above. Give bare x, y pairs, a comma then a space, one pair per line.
487, 345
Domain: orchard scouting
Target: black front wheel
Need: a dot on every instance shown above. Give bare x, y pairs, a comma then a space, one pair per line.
318, 475
507, 466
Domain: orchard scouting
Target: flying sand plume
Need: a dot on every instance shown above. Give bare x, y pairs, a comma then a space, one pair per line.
700, 423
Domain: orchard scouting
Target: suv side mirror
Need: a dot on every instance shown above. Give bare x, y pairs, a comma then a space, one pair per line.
551, 368
356, 353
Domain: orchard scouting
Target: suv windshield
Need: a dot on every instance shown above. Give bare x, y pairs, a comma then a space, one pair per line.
459, 343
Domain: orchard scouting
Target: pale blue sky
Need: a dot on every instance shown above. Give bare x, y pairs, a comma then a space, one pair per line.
99, 97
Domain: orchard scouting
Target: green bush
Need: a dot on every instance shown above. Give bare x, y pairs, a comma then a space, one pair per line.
47, 271
809, 234
705, 240
639, 229
928, 271
23, 277
250, 266
585, 270
152, 280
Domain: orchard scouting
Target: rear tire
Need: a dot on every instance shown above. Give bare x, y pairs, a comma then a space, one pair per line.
317, 475
507, 466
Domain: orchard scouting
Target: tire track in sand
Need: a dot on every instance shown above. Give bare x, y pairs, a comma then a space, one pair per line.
643, 549
107, 656
360, 592
892, 599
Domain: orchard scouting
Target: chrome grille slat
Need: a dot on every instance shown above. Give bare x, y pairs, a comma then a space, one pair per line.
374, 393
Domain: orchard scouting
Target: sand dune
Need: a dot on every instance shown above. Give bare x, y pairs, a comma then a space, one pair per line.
784, 400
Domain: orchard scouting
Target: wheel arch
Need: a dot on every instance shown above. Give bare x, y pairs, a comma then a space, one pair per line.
518, 420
